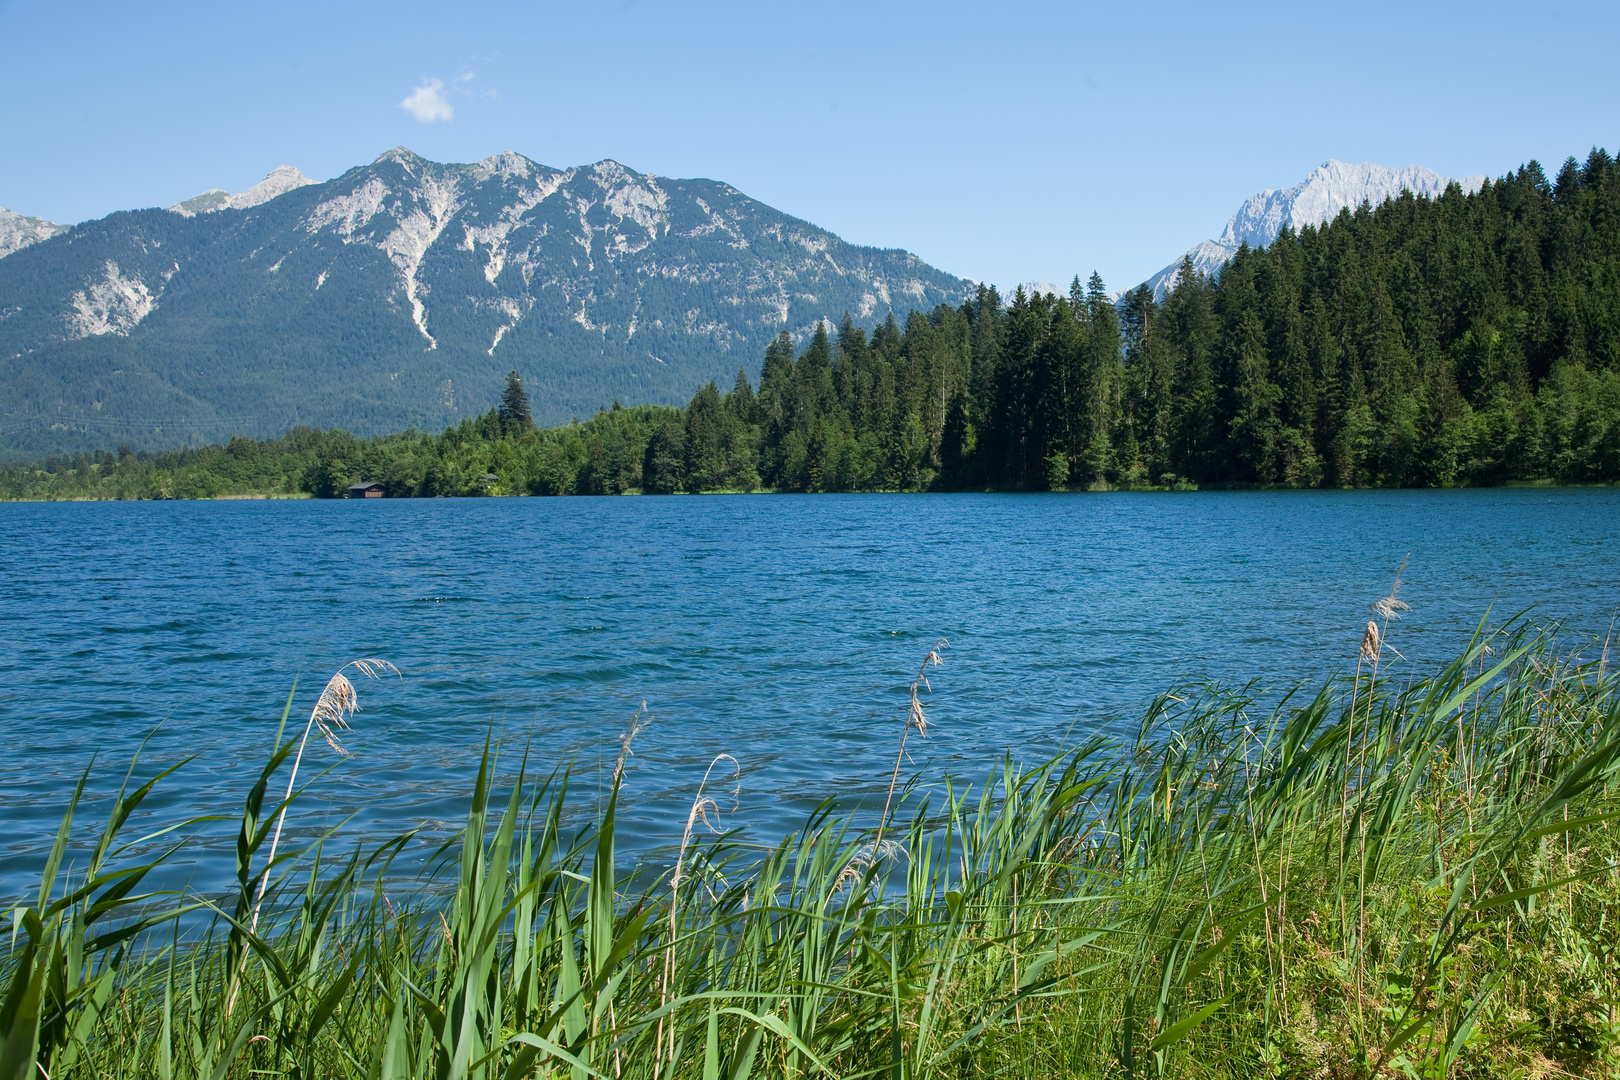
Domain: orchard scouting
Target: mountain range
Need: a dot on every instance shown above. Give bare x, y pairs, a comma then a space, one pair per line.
402, 292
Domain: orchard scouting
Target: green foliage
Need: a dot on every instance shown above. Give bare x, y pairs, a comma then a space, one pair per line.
1408, 876
606, 455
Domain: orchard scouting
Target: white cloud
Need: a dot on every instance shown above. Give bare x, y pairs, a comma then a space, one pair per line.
428, 103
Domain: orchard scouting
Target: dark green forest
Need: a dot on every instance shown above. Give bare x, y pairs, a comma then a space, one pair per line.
1461, 340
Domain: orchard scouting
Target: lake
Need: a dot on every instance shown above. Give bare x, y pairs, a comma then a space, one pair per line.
783, 630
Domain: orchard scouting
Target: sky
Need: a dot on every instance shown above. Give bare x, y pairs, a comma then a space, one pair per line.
1004, 143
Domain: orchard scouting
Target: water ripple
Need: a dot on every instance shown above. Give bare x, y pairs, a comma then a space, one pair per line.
783, 631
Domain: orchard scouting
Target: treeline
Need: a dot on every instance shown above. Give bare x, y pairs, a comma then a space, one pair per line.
1471, 339
1462, 340
1468, 339
483, 455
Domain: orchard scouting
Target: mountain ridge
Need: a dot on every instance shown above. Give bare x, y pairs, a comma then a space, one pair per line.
282, 179
401, 292
18, 231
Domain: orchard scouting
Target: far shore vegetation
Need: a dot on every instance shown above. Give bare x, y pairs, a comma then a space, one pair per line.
1466, 340
1394, 873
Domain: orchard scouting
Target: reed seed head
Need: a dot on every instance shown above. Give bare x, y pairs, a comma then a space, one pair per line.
863, 860
636, 726
338, 701
703, 805
1390, 607
1370, 642
916, 718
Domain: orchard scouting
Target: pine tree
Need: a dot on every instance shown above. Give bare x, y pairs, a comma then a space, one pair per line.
514, 409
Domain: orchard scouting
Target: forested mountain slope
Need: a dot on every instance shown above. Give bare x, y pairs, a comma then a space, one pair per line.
401, 293
1468, 339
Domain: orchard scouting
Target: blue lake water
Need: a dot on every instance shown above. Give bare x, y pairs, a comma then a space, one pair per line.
782, 630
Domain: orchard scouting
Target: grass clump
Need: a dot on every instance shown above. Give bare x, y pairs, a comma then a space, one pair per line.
1410, 877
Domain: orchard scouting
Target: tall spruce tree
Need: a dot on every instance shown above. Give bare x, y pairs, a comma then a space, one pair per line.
514, 407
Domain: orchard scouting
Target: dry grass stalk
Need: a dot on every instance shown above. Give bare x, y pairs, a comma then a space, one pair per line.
1386, 608
915, 718
703, 805
636, 726
338, 702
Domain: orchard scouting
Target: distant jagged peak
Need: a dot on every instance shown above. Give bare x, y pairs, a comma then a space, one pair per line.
282, 179
402, 154
18, 231
1333, 186
609, 173
1037, 288
507, 161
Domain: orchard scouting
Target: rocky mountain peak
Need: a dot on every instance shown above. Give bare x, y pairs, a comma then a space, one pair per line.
404, 155
398, 292
282, 179
1333, 186
17, 231
507, 161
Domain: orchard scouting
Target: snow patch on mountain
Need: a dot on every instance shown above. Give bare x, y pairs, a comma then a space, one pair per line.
115, 304
18, 231
282, 179
1314, 201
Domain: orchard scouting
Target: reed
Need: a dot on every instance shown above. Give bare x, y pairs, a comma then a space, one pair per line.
1163, 905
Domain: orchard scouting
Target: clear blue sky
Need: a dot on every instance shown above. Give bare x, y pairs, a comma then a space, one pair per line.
1002, 143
